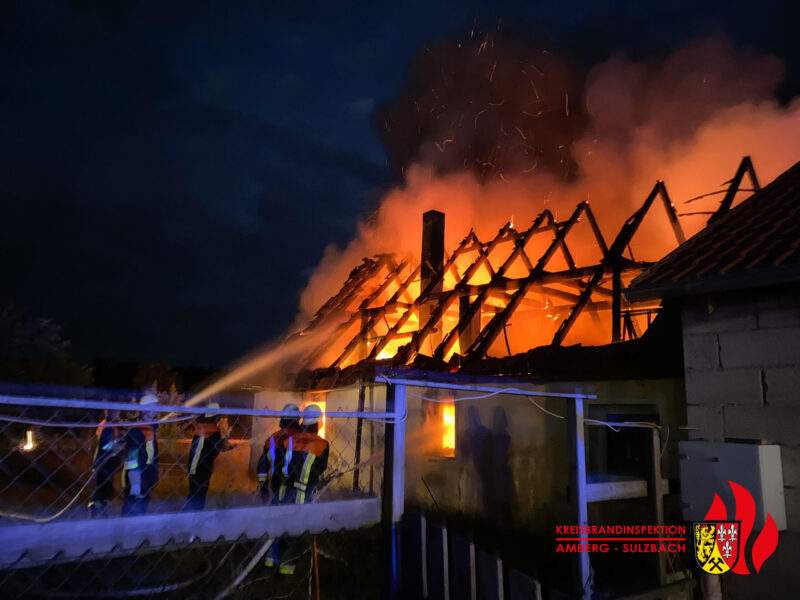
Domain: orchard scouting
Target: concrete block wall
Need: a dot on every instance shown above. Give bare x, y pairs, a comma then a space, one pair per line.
742, 357
742, 368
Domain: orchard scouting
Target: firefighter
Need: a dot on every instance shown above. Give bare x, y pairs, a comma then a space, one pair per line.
272, 473
307, 459
140, 472
105, 464
207, 443
272, 468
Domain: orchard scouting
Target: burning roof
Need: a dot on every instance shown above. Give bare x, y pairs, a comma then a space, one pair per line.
554, 283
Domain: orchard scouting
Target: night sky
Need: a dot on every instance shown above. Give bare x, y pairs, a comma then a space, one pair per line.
170, 173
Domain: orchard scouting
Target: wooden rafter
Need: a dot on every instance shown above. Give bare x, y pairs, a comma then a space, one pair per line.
745, 168
489, 333
417, 319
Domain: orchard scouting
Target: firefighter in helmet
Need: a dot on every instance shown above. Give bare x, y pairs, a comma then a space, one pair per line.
140, 472
273, 471
306, 456
207, 443
272, 466
105, 463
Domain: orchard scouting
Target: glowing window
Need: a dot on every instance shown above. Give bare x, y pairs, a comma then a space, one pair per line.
440, 425
449, 427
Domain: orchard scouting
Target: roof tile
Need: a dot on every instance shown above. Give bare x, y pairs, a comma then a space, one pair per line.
762, 232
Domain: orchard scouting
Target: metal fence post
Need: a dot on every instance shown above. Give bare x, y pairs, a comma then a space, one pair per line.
392, 500
577, 483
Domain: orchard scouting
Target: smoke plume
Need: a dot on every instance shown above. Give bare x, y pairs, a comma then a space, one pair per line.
490, 107
463, 134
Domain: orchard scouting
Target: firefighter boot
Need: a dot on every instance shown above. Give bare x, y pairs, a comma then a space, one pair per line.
273, 555
98, 508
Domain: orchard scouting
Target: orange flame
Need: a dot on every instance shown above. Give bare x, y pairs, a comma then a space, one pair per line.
449, 427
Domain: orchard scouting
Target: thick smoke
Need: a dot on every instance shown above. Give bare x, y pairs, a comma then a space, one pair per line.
687, 120
489, 107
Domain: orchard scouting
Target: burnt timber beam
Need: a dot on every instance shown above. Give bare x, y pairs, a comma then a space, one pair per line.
598, 236
745, 167
467, 328
449, 341
475, 308
492, 329
672, 214
351, 287
442, 307
357, 315
330, 340
622, 241
563, 246
367, 324
424, 291
424, 296
354, 290
403, 289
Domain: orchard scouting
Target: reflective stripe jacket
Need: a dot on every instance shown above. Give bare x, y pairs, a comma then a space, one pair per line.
307, 464
206, 446
141, 453
272, 466
104, 458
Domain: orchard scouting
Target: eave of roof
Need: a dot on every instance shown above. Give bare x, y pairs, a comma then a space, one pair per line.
754, 245
741, 280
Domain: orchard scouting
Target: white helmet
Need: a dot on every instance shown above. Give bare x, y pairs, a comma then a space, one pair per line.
311, 414
148, 399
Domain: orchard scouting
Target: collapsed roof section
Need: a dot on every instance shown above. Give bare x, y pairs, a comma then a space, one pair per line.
554, 283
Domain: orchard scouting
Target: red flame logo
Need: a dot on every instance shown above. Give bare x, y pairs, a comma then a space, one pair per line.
767, 540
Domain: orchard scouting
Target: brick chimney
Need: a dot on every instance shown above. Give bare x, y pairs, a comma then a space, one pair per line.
432, 263
432, 247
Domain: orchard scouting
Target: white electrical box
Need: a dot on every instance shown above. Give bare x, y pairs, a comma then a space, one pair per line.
706, 468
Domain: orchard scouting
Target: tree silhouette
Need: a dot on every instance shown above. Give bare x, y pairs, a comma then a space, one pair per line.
32, 349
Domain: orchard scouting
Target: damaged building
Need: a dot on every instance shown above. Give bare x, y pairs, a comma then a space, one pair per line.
737, 284
542, 309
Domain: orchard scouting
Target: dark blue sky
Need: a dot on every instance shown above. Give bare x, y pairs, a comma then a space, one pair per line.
170, 172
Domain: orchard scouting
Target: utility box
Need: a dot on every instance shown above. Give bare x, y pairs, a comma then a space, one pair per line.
707, 467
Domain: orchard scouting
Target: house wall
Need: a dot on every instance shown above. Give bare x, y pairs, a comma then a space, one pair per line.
742, 357
511, 459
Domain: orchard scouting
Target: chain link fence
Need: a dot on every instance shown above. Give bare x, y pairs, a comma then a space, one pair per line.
215, 509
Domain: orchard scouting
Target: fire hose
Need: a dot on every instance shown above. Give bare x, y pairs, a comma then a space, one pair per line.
267, 543
63, 510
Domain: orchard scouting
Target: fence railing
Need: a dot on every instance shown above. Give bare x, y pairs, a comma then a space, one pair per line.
73, 459
73, 526
109, 498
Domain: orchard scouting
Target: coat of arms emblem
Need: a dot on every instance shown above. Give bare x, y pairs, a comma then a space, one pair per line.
716, 545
